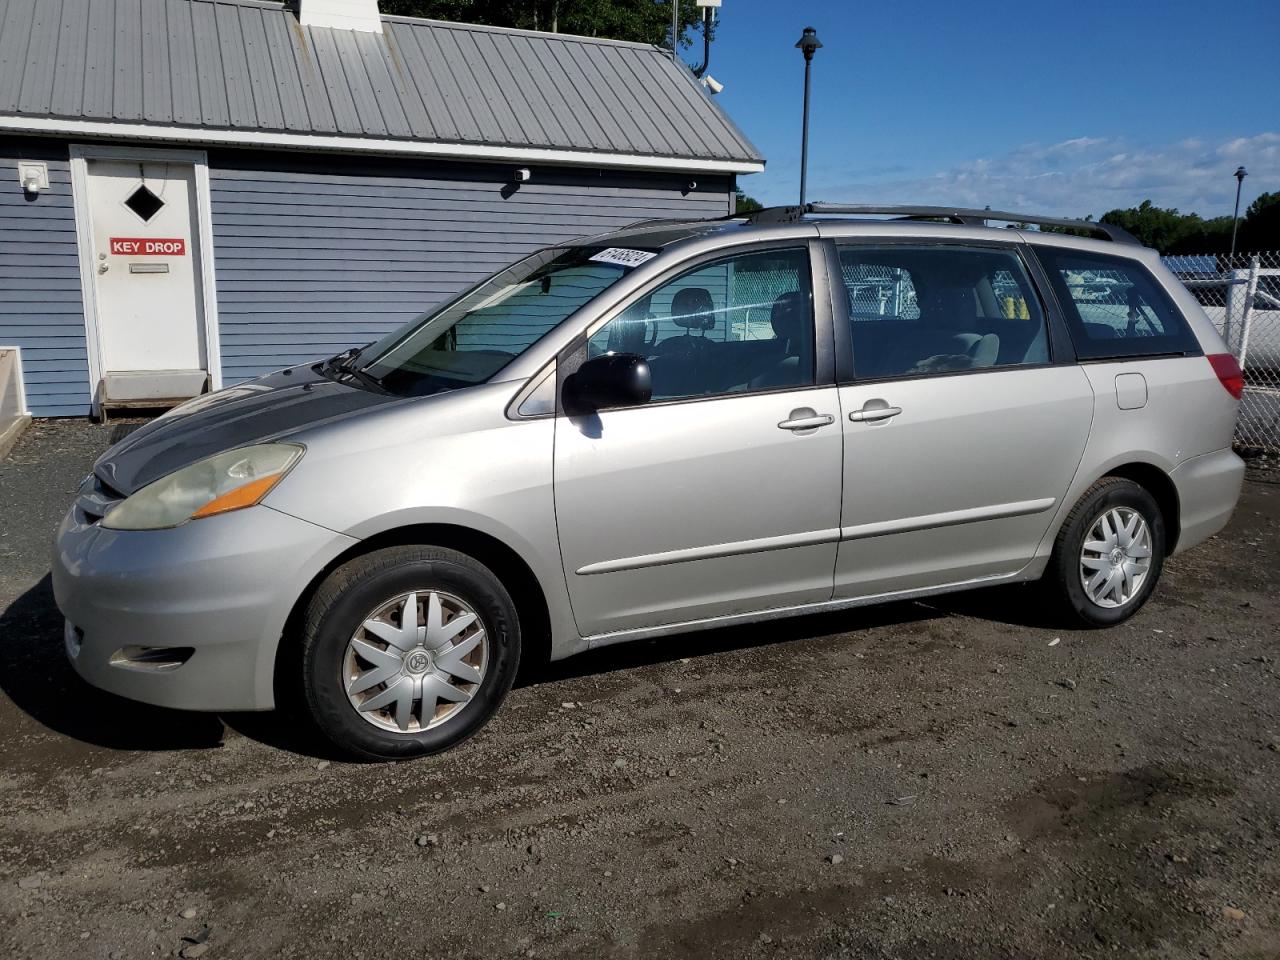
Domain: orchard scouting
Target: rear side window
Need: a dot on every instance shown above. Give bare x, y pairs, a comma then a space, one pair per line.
928, 310
1114, 307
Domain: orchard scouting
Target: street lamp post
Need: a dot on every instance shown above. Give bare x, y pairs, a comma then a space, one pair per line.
1240, 174
807, 44
675, 29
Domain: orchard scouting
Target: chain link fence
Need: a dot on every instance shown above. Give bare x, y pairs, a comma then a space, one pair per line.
1241, 295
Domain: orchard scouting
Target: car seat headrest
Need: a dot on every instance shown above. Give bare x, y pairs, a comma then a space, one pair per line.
787, 315
693, 309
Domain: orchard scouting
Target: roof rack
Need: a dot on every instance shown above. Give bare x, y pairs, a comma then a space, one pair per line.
961, 215
659, 221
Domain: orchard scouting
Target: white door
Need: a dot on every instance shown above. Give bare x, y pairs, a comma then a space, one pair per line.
147, 279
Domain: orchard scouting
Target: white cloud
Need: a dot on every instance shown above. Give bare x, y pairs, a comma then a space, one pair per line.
1076, 177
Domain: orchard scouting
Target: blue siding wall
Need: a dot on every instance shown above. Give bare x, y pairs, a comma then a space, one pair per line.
40, 305
315, 257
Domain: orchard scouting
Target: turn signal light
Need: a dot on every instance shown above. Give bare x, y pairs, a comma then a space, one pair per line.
245, 496
1229, 373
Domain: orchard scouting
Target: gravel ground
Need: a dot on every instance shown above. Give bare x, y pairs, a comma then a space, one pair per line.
955, 779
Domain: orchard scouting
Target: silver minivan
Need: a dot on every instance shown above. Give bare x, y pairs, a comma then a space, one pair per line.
677, 426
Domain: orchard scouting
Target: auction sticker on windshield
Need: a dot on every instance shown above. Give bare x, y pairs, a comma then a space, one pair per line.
624, 257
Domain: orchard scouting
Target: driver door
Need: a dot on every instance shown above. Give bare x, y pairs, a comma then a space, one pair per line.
721, 495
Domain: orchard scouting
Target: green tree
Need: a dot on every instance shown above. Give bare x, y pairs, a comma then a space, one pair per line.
744, 203
1260, 228
1153, 226
1170, 231
644, 21
1205, 236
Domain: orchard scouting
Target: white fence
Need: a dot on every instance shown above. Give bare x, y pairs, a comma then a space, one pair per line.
1242, 298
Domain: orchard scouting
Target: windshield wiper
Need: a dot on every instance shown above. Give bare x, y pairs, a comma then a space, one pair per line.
343, 367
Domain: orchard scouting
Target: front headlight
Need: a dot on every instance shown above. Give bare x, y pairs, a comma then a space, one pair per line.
227, 481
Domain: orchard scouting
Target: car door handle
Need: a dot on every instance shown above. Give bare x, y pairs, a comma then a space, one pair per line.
806, 420
873, 412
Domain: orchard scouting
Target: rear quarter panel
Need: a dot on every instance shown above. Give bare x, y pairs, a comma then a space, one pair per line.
1188, 413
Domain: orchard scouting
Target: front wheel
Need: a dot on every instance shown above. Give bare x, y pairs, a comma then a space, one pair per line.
408, 651
1108, 554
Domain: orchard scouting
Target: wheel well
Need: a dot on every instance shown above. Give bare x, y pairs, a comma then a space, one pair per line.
1156, 482
506, 564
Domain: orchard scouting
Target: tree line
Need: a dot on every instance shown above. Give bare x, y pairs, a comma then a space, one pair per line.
646, 21
1170, 231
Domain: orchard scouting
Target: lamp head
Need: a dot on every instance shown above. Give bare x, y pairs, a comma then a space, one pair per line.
808, 43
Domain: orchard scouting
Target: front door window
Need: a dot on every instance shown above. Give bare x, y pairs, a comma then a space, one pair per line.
737, 325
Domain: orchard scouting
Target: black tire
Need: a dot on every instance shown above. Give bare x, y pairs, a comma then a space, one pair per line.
1062, 577
360, 586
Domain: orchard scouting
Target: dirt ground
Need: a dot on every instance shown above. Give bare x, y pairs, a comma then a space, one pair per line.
955, 779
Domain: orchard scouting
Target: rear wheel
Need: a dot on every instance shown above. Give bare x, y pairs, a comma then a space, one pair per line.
1109, 553
408, 651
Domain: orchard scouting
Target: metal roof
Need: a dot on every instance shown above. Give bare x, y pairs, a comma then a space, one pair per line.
249, 67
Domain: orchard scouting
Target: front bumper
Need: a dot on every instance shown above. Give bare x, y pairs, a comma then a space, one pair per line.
213, 595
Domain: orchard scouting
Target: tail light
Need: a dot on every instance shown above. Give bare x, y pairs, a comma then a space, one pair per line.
1229, 373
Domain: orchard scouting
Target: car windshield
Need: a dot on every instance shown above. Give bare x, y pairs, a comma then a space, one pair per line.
472, 338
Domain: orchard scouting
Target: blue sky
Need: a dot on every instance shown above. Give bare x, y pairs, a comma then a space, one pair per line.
1056, 107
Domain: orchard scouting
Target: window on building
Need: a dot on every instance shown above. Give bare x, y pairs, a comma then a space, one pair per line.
144, 202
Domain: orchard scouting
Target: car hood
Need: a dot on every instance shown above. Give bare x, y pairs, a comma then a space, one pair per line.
273, 407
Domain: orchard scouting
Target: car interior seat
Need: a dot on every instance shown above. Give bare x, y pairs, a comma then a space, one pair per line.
948, 336
692, 309
789, 320
681, 365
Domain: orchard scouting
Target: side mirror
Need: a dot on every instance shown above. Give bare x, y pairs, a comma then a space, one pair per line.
614, 380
